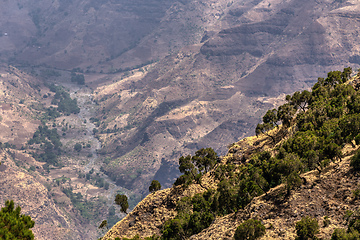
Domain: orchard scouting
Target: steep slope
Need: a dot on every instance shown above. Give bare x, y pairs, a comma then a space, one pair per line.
21, 175
29, 190
308, 166
219, 65
90, 34
227, 62
215, 91
55, 191
321, 195
20, 95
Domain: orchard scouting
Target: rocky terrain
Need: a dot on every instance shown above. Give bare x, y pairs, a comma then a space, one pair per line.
213, 92
323, 196
162, 79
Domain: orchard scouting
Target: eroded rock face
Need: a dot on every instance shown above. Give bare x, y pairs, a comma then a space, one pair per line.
33, 197
221, 65
215, 92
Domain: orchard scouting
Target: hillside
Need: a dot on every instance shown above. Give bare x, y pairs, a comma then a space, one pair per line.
154, 80
305, 167
215, 91
175, 76
40, 169
329, 194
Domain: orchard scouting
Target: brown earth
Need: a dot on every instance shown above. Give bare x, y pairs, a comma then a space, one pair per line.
328, 194
24, 180
27, 189
213, 92
220, 66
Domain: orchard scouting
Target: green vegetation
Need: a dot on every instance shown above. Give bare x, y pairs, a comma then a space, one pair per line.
194, 214
77, 147
193, 167
89, 210
353, 231
321, 121
122, 201
103, 224
50, 114
249, 230
14, 225
309, 132
307, 228
78, 78
62, 99
49, 143
355, 161
154, 186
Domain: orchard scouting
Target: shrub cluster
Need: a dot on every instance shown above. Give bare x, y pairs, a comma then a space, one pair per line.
50, 144
249, 230
324, 119
78, 78
353, 230
63, 100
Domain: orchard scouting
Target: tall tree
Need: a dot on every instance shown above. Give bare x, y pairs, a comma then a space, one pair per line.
154, 186
122, 201
14, 225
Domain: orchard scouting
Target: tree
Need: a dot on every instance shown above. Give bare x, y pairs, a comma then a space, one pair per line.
250, 230
334, 78
154, 186
78, 78
355, 161
122, 201
193, 167
13, 225
226, 197
103, 224
300, 99
263, 128
306, 228
346, 74
204, 159
77, 147
271, 117
285, 114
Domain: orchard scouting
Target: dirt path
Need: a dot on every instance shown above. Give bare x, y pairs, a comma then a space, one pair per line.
87, 110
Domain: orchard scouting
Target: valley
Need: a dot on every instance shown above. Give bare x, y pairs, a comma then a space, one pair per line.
153, 81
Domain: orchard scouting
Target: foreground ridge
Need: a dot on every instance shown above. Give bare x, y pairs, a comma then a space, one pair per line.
300, 164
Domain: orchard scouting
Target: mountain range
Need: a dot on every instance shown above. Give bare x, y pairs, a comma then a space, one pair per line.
162, 80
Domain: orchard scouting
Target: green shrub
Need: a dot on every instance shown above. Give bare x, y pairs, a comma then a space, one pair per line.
122, 201
357, 139
154, 186
341, 234
306, 228
250, 229
78, 78
355, 161
77, 147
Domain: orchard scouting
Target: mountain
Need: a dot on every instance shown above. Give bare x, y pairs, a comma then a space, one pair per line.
306, 167
162, 79
215, 91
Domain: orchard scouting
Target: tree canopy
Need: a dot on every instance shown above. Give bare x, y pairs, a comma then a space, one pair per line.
122, 201
154, 186
14, 225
